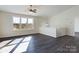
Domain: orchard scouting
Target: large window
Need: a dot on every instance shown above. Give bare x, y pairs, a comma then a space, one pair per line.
22, 23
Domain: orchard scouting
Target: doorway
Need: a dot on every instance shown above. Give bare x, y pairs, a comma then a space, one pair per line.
76, 27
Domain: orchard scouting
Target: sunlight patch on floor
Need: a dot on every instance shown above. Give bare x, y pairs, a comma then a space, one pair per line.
20, 48
16, 41
27, 39
6, 49
23, 46
4, 43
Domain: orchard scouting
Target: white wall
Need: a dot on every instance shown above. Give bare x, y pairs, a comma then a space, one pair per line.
77, 25
6, 26
45, 28
64, 22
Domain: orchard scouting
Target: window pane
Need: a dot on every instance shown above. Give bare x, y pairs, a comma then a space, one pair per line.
23, 26
16, 26
30, 20
16, 20
23, 20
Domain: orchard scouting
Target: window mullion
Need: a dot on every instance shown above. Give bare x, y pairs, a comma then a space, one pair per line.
20, 23
27, 22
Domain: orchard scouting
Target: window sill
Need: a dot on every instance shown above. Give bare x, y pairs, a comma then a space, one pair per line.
22, 29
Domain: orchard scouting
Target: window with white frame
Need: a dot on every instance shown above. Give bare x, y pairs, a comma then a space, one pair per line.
23, 23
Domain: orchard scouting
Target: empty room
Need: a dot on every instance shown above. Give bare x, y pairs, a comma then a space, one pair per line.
39, 29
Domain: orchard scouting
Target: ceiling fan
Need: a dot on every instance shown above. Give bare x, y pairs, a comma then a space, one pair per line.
31, 9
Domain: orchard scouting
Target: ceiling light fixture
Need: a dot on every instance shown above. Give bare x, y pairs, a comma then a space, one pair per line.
31, 9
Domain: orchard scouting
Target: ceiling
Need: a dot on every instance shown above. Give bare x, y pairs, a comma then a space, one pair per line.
42, 10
